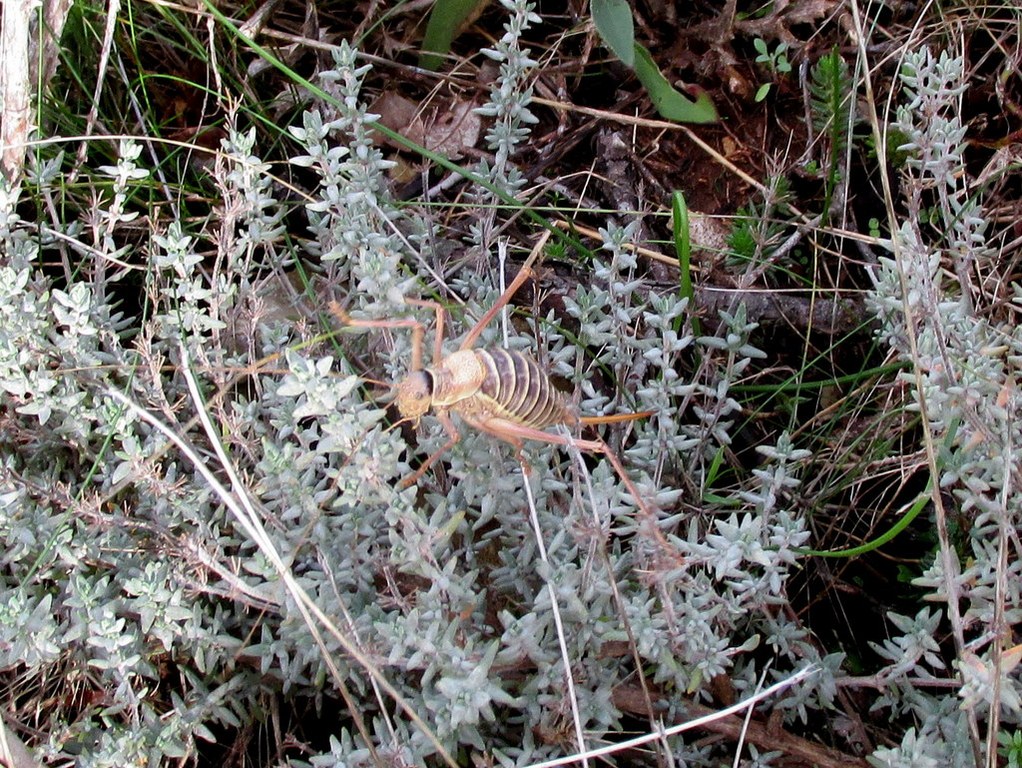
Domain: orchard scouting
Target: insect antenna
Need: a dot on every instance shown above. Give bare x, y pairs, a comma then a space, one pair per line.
387, 390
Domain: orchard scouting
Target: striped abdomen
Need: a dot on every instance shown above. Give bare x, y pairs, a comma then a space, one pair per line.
516, 388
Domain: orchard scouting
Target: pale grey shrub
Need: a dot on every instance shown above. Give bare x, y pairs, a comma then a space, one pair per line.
962, 383
124, 562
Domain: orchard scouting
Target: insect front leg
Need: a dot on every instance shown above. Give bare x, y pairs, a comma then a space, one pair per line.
452, 438
438, 341
417, 329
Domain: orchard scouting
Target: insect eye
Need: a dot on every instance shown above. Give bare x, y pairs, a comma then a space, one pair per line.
415, 395
422, 384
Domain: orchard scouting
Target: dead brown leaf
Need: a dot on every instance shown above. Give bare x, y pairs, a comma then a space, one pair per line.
448, 129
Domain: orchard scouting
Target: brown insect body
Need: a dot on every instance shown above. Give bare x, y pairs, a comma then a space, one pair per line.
484, 384
501, 392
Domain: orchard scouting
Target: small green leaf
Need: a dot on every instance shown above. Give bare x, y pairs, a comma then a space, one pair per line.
613, 20
671, 104
762, 92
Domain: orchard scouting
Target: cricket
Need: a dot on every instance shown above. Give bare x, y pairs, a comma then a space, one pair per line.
503, 393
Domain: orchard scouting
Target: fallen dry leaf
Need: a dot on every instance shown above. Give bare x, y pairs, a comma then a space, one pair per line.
447, 129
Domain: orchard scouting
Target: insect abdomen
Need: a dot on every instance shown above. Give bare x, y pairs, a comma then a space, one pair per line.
520, 391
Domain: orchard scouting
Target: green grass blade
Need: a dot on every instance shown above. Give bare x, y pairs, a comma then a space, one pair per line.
913, 512
883, 538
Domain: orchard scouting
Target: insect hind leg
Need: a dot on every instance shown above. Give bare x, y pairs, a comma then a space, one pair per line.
516, 433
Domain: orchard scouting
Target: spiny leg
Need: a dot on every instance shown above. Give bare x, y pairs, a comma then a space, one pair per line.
494, 426
441, 314
470, 338
516, 433
418, 330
